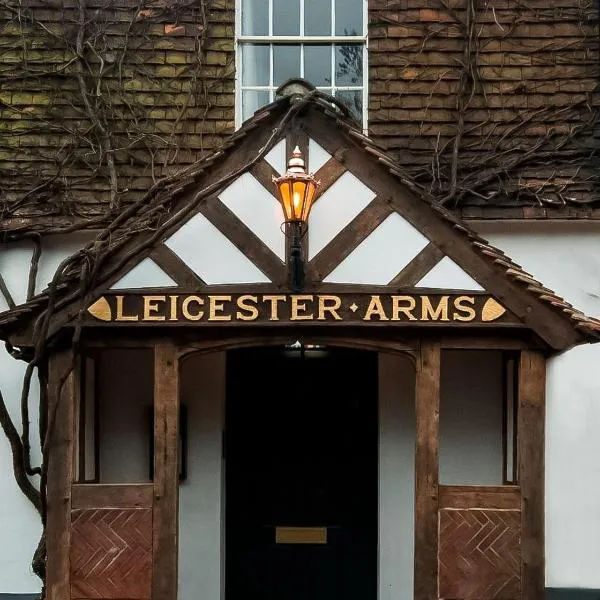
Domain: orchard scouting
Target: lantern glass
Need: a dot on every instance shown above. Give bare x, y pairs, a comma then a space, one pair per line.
297, 190
297, 195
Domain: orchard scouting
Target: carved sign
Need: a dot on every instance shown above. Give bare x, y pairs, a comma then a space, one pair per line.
215, 309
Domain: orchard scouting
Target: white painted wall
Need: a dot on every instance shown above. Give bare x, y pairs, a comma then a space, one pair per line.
573, 470
397, 433
566, 258
471, 418
201, 539
124, 384
19, 522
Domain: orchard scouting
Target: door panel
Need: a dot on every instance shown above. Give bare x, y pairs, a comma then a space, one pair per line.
301, 451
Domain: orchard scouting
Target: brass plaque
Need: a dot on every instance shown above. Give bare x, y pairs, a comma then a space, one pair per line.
300, 535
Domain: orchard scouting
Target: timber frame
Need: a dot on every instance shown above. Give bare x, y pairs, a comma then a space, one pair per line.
140, 232
57, 327
69, 503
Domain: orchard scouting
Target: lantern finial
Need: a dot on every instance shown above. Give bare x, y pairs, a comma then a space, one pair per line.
296, 162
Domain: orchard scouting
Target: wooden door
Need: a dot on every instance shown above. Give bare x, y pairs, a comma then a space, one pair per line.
301, 464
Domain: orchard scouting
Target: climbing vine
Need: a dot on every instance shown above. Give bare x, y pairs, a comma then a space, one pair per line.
102, 101
504, 97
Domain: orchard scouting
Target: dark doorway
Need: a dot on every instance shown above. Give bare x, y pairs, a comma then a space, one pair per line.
301, 474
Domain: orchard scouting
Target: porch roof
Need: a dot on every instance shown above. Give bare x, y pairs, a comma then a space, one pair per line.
173, 199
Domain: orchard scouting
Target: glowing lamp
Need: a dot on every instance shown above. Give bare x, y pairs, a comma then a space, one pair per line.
297, 190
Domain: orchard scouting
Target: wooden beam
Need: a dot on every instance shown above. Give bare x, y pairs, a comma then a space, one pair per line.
328, 174
504, 497
244, 239
122, 495
427, 471
175, 268
166, 471
63, 389
530, 434
418, 267
264, 173
348, 239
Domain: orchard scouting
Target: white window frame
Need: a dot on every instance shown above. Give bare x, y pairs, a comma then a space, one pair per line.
301, 39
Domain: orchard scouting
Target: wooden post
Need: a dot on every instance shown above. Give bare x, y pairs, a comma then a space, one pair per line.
166, 472
62, 397
427, 472
531, 427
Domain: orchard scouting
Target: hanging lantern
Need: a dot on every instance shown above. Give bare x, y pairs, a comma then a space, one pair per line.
297, 190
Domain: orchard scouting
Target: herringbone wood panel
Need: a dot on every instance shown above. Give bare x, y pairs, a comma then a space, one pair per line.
480, 554
111, 553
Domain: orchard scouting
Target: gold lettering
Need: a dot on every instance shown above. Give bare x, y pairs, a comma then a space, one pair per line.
151, 306
215, 304
251, 312
185, 308
375, 308
274, 300
329, 304
120, 315
298, 305
428, 313
464, 313
397, 308
173, 306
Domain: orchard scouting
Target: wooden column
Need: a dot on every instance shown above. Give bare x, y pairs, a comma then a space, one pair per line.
531, 442
62, 398
427, 472
166, 472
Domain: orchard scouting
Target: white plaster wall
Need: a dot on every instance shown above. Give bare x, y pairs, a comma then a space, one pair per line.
397, 433
573, 470
15, 261
125, 383
19, 521
566, 258
201, 540
55, 249
471, 418
563, 256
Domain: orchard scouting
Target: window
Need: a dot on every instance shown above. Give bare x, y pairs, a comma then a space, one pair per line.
323, 41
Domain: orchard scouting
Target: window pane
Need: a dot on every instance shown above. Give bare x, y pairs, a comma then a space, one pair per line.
286, 17
286, 63
317, 17
252, 100
348, 17
255, 17
349, 64
354, 101
317, 65
255, 64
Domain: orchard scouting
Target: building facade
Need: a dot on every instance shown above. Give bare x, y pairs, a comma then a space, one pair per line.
415, 417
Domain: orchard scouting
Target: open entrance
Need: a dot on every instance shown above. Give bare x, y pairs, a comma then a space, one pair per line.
301, 474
